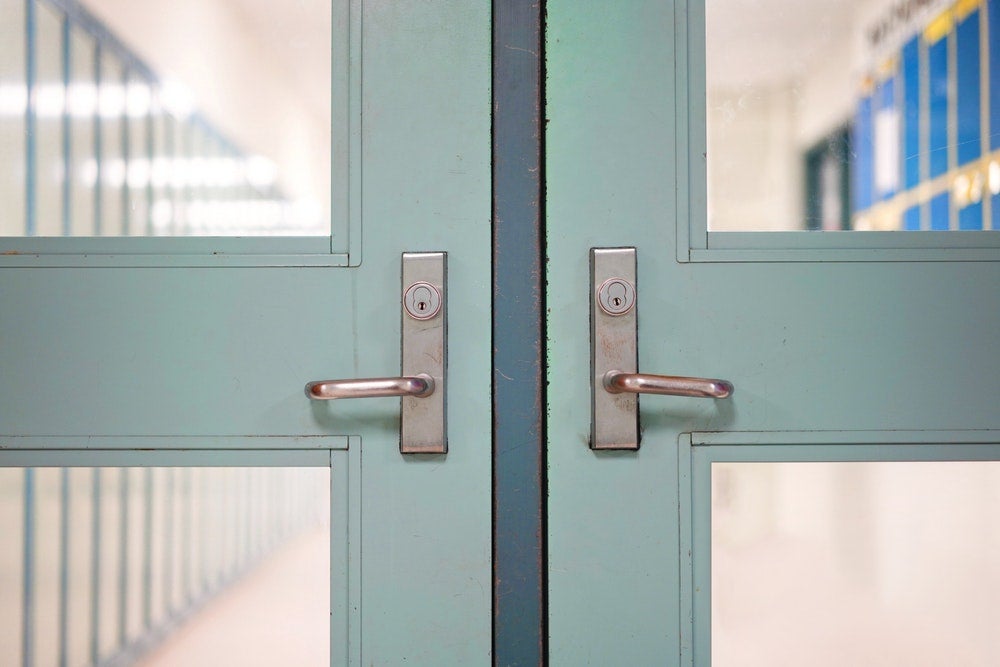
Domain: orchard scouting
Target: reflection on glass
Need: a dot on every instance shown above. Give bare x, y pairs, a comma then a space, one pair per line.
855, 563
164, 566
164, 117
853, 114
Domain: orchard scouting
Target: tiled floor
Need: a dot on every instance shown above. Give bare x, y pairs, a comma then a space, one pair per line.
279, 614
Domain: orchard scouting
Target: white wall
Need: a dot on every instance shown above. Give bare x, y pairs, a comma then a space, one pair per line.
754, 170
11, 128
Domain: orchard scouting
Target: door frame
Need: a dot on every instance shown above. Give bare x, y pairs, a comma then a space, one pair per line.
520, 586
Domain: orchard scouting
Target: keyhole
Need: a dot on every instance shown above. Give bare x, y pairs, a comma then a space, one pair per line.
616, 296
422, 296
422, 301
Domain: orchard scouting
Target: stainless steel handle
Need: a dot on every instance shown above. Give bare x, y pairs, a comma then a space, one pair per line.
420, 386
618, 382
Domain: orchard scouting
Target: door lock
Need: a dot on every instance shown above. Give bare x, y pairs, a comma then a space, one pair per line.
421, 387
422, 301
614, 360
616, 296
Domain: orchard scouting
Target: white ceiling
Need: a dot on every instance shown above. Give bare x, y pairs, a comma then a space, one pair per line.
771, 42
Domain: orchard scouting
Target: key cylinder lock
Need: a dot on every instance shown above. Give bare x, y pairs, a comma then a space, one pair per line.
422, 301
616, 296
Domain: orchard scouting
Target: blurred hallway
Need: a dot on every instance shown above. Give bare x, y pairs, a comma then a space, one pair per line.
277, 615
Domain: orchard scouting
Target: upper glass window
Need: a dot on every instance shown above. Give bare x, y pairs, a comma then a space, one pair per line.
867, 115
165, 118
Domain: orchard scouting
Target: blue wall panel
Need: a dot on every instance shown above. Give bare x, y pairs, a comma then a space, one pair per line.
994, 45
995, 208
937, 65
968, 101
911, 219
862, 156
971, 217
940, 212
910, 75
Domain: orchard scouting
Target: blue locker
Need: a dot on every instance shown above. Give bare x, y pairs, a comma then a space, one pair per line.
971, 217
910, 75
994, 46
940, 212
937, 65
968, 100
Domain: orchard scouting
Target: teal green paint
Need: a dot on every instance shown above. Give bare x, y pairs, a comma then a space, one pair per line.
72, 458
691, 170
28, 602
685, 529
833, 437
822, 335
944, 244
186, 351
345, 555
613, 555
426, 578
349, 223
249, 441
173, 252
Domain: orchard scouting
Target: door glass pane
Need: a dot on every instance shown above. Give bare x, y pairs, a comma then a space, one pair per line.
165, 566
165, 117
855, 563
853, 115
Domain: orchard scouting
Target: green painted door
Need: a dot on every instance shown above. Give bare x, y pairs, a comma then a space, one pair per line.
194, 351
835, 509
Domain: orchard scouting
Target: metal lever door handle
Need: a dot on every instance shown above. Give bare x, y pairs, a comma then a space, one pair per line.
618, 382
419, 386
422, 384
615, 380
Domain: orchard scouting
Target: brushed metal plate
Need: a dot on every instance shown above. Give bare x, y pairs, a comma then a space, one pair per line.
424, 421
613, 346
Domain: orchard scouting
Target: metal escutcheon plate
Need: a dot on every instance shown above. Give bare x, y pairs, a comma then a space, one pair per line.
614, 417
423, 421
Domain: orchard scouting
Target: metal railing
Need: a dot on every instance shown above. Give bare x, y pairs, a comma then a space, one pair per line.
143, 548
